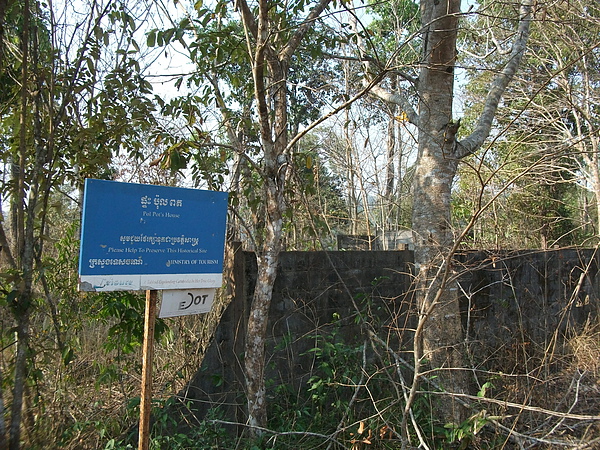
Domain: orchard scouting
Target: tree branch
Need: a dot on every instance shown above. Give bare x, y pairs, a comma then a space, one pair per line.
301, 31
260, 32
397, 99
519, 406
474, 141
247, 17
333, 112
5, 249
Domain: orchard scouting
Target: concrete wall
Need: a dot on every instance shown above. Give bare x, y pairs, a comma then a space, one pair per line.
521, 302
510, 299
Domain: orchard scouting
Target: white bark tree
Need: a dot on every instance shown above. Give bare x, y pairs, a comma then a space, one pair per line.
270, 55
439, 336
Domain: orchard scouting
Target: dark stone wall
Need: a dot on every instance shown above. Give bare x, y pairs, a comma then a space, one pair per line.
522, 302
525, 299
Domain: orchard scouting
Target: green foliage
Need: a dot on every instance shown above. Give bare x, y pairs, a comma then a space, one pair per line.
320, 405
464, 434
208, 434
124, 311
394, 23
535, 211
88, 99
332, 396
353, 390
223, 82
335, 362
84, 99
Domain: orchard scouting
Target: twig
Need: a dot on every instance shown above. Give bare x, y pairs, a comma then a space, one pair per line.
398, 359
360, 384
508, 404
575, 400
276, 434
462, 399
590, 444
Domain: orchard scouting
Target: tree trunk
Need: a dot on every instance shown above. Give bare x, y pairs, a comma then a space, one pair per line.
439, 153
269, 71
254, 360
24, 252
437, 299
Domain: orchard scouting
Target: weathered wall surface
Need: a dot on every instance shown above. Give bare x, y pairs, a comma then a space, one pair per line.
510, 300
521, 302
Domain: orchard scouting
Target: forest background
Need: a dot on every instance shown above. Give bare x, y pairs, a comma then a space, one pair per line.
470, 126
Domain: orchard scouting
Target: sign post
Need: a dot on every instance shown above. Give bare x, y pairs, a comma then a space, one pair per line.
146, 237
147, 356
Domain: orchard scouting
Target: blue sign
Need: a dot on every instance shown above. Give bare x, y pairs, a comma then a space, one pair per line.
146, 237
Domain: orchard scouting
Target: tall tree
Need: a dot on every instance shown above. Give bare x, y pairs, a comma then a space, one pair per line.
48, 139
439, 336
255, 70
271, 48
265, 72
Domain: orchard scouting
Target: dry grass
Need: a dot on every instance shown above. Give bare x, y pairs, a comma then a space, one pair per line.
585, 348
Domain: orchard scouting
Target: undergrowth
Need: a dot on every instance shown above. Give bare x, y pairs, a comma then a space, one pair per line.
84, 378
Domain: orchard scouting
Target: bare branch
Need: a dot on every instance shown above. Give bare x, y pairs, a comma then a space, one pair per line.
368, 88
301, 31
397, 99
520, 406
473, 142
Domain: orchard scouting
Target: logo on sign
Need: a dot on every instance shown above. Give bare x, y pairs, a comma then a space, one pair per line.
197, 300
185, 302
